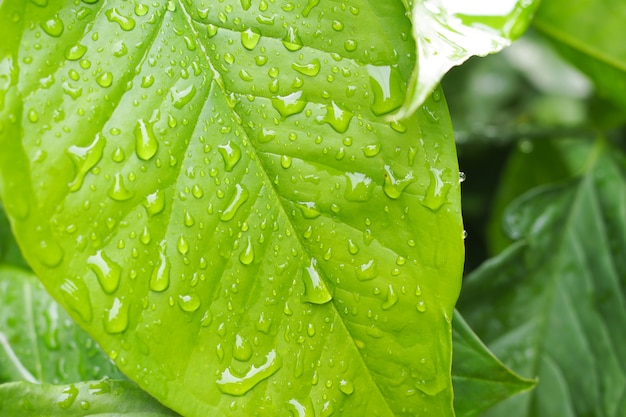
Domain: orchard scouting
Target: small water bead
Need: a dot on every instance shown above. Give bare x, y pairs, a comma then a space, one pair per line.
290, 104
105, 79
211, 30
437, 191
189, 302
232, 384
181, 97
154, 203
366, 271
141, 9
359, 187
118, 190
352, 247
292, 41
395, 185
231, 154
421, 306
315, 289
246, 4
118, 155
260, 60
182, 245
239, 198
350, 45
116, 317
146, 144
338, 118
160, 278
311, 69
85, 158
49, 253
196, 191
125, 23
189, 220
391, 298
285, 161
347, 387
76, 295
246, 257
308, 209
53, 27
107, 271
462, 176
67, 397
242, 349
147, 80
266, 135
387, 85
250, 38
337, 25
75, 52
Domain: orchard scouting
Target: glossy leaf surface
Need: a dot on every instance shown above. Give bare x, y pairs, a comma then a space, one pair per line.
213, 192
103, 398
38, 340
480, 379
449, 32
587, 32
552, 304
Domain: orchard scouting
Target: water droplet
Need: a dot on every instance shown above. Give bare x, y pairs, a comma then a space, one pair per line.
239, 197
118, 155
309, 209
394, 185
182, 245
350, 45
250, 38
141, 9
146, 145
336, 117
315, 289
118, 190
285, 161
67, 397
337, 25
76, 295
116, 317
371, 150
154, 203
53, 27
75, 52
246, 257
352, 247
196, 191
359, 187
310, 5
105, 79
366, 271
189, 220
107, 271
160, 279
311, 69
231, 154
347, 387
292, 40
114, 16
289, 105
386, 83
391, 298
147, 81
189, 302
266, 135
242, 350
85, 158
246, 4
297, 409
230, 383
421, 306
180, 98
49, 253
462, 176
437, 191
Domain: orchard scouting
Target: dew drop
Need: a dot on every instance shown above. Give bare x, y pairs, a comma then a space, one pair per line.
232, 384
315, 289
146, 145
352, 247
67, 397
421, 306
239, 197
292, 40
250, 38
336, 117
53, 27
154, 203
246, 257
394, 186
189, 220
107, 271
118, 190
309, 209
231, 154
75, 52
116, 317
391, 298
350, 45
371, 150
437, 191
310, 5
359, 187
242, 350
118, 155
263, 324
160, 278
347, 387
76, 295
182, 245
366, 271
266, 135
85, 158
180, 98
125, 23
105, 79
386, 83
189, 302
311, 69
290, 104
49, 253
285, 161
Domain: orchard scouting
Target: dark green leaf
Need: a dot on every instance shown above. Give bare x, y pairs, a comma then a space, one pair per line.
552, 305
587, 32
104, 398
480, 379
38, 340
9, 251
214, 193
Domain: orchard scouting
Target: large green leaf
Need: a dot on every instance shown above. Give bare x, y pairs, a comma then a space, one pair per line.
104, 398
212, 191
552, 304
480, 379
587, 32
449, 32
38, 340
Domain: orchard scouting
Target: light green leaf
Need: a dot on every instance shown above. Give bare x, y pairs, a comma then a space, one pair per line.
585, 32
480, 379
552, 305
38, 340
448, 33
212, 190
103, 398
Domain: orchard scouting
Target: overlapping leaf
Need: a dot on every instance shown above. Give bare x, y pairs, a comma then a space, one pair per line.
212, 190
552, 305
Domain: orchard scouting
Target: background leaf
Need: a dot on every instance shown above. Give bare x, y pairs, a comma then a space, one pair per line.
95, 398
585, 32
38, 340
552, 304
447, 33
480, 379
213, 192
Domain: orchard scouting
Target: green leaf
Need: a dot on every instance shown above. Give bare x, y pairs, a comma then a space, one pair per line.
212, 191
448, 33
552, 304
103, 398
9, 251
585, 32
480, 379
38, 341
